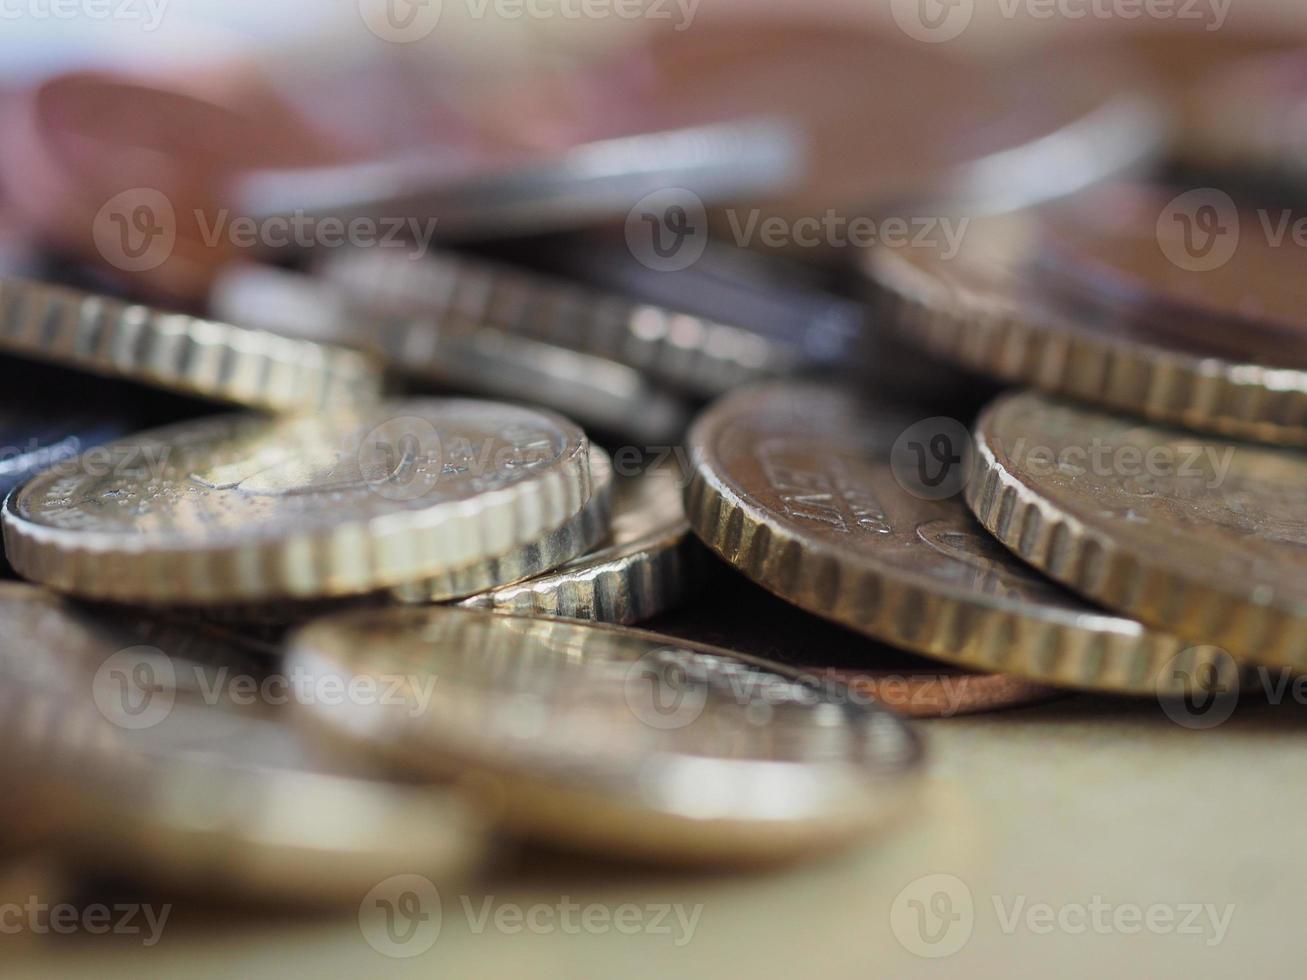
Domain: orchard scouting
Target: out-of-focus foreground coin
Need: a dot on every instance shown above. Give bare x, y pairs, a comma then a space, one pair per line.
461, 352
143, 747
237, 508
737, 615
1196, 536
799, 488
180, 353
989, 309
559, 544
617, 740
648, 563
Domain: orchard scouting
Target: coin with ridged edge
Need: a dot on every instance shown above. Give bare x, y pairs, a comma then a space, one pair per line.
985, 310
617, 740
793, 486
220, 361
1199, 537
240, 508
558, 545
141, 746
649, 562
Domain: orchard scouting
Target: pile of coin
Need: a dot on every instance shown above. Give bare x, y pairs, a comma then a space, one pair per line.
362, 622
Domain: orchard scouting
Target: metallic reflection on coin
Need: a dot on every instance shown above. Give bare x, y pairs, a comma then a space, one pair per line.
147, 747
989, 309
1193, 535
617, 740
462, 352
793, 486
236, 508
648, 563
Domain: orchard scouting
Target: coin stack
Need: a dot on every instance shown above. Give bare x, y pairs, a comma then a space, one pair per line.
330, 532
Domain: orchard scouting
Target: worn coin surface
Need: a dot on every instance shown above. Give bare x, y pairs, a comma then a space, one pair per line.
989, 309
1200, 537
647, 563
618, 740
795, 486
148, 747
239, 508
558, 545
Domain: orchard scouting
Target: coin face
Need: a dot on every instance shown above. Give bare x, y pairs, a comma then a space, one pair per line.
797, 487
237, 508
648, 561
151, 747
616, 739
1194, 535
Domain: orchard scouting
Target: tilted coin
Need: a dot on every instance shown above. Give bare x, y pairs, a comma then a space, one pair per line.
181, 353
988, 309
616, 740
141, 746
686, 352
648, 562
463, 353
556, 546
1200, 537
795, 486
738, 615
238, 508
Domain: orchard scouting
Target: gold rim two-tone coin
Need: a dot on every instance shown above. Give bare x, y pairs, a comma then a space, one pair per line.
558, 545
648, 563
815, 496
1203, 538
617, 740
987, 309
220, 361
238, 508
148, 748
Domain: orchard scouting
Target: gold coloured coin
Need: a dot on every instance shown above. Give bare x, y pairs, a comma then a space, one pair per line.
558, 545
149, 748
1203, 538
237, 508
984, 309
221, 361
796, 486
616, 740
648, 563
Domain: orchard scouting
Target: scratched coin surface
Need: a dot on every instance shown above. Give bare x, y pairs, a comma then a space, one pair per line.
238, 508
1197, 536
617, 740
648, 562
149, 747
793, 485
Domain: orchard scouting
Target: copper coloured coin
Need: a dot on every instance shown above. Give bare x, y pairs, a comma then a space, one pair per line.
1189, 265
